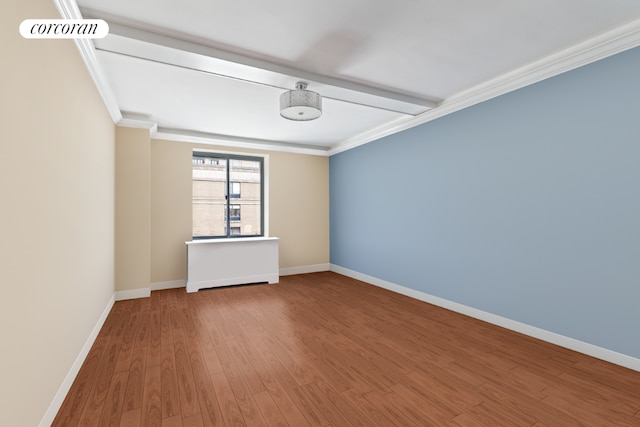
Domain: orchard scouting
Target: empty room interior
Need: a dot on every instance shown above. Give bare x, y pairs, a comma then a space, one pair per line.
365, 213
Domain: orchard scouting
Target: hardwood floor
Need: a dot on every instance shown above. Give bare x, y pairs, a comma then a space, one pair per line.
325, 350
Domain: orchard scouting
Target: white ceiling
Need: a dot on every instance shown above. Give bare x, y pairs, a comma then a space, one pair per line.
214, 70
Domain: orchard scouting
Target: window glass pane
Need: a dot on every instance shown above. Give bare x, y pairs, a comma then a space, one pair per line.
227, 195
234, 212
234, 190
209, 201
247, 174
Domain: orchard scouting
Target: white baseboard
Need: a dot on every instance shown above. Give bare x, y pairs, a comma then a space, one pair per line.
303, 269
229, 281
523, 328
170, 284
133, 294
58, 399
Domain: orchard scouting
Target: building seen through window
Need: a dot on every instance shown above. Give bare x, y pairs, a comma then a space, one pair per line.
227, 195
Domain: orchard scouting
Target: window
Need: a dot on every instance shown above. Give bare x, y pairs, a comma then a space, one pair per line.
220, 208
234, 190
234, 213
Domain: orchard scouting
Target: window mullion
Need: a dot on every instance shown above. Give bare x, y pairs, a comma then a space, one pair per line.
227, 192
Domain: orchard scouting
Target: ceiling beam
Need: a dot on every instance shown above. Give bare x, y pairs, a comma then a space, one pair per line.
148, 45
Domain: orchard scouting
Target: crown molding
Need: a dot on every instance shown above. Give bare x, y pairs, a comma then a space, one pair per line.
68, 9
145, 121
196, 137
597, 48
138, 121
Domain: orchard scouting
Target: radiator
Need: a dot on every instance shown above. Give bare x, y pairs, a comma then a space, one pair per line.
223, 262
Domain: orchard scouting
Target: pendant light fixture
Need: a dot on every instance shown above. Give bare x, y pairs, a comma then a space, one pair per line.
300, 104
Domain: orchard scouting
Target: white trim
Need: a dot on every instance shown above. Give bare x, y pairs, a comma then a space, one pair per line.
138, 121
597, 48
230, 240
523, 328
133, 294
68, 9
181, 135
229, 281
169, 284
59, 397
304, 269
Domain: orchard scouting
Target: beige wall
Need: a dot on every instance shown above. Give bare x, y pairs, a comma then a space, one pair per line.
298, 207
133, 209
56, 213
170, 209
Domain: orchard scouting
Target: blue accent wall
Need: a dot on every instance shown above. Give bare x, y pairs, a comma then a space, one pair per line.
526, 206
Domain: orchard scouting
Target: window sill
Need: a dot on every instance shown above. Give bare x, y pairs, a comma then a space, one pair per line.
230, 240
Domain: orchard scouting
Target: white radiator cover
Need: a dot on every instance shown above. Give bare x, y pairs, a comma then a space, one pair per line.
223, 262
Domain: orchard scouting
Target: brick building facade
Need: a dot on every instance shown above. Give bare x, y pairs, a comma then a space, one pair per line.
210, 197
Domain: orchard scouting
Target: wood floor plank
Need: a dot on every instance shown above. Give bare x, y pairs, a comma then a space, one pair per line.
432, 413
73, 405
332, 364
175, 421
142, 334
374, 414
232, 361
184, 372
164, 302
113, 321
521, 402
193, 421
154, 356
135, 379
366, 367
586, 412
485, 415
128, 335
269, 410
245, 368
400, 415
170, 398
504, 413
466, 420
245, 401
151, 404
230, 321
207, 398
325, 404
610, 397
325, 350
351, 413
292, 356
131, 418
202, 325
436, 388
226, 400
307, 406
96, 402
114, 403
280, 374
275, 389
